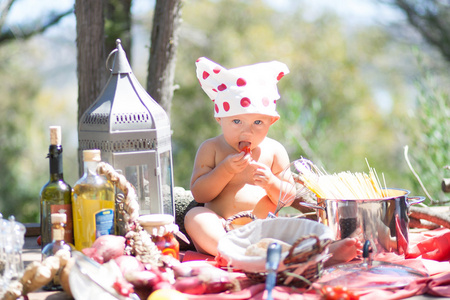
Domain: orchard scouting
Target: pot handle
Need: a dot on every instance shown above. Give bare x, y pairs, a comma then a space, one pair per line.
310, 205
415, 200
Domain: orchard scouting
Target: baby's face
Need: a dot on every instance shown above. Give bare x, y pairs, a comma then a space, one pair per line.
245, 130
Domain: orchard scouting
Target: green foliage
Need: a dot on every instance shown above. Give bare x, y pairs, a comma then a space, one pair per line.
19, 88
430, 140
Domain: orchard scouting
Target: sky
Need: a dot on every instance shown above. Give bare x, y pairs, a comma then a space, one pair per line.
358, 11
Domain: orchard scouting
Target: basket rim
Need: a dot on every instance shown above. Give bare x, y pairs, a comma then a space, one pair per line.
232, 246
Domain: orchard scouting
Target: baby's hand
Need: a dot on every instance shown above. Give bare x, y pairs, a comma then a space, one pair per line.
236, 163
262, 176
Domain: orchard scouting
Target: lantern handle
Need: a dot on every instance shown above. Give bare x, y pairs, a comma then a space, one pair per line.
108, 58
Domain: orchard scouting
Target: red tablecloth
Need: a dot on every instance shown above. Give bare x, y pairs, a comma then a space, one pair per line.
428, 252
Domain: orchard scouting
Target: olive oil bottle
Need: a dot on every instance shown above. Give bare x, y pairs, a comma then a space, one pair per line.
56, 194
93, 203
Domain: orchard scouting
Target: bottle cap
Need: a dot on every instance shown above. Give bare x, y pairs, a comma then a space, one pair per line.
91, 155
155, 219
55, 135
59, 218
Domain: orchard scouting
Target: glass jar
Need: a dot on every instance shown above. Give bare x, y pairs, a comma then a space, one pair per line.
162, 229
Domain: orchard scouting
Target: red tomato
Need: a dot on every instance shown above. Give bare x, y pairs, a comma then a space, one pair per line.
337, 293
247, 150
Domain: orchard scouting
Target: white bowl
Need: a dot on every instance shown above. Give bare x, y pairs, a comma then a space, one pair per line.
233, 245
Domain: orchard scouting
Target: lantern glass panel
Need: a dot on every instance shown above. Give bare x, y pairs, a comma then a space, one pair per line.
166, 180
138, 177
141, 170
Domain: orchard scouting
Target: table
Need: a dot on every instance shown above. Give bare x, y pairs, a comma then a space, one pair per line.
32, 252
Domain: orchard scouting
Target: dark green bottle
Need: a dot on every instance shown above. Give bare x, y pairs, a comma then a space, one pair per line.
56, 194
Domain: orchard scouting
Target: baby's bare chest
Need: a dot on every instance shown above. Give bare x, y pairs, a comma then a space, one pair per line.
236, 198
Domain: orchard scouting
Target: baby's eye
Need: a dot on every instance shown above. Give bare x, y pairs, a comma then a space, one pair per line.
236, 121
258, 122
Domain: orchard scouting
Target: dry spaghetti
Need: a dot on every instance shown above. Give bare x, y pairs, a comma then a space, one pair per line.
343, 185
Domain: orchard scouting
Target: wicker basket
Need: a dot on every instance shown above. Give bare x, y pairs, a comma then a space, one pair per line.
300, 266
300, 269
239, 220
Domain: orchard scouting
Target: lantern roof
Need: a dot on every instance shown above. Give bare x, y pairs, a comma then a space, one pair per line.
123, 104
124, 107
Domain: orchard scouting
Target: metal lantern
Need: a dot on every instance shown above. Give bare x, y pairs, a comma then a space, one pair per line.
133, 133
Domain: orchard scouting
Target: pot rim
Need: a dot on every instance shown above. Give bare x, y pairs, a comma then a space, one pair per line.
401, 193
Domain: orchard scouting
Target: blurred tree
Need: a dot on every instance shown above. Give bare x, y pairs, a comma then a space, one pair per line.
92, 40
91, 71
331, 108
429, 141
19, 186
32, 28
431, 19
118, 21
20, 84
163, 50
99, 25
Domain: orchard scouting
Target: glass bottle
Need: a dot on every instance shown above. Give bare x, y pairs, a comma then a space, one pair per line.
56, 194
58, 232
93, 203
12, 239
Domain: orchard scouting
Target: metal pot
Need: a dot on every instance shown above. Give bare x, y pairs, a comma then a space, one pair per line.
384, 222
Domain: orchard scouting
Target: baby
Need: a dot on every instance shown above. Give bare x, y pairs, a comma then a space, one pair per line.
242, 169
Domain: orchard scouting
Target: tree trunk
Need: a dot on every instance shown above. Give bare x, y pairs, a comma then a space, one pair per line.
91, 71
118, 25
164, 42
430, 18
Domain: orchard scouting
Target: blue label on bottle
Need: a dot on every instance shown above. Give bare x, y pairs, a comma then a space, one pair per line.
104, 222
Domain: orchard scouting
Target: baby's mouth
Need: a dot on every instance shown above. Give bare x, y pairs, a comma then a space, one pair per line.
243, 144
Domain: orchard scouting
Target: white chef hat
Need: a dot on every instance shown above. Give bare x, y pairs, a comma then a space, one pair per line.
244, 90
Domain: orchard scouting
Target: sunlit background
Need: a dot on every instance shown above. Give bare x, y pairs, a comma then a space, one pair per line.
363, 85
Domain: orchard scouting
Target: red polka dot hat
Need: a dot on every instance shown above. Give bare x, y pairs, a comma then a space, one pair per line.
244, 90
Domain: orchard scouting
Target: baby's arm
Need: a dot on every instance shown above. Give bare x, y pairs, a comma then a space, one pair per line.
208, 180
275, 178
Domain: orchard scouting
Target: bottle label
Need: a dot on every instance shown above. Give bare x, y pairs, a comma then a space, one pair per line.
65, 209
104, 222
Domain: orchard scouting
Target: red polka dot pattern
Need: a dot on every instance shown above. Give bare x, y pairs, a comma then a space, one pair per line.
241, 82
222, 87
245, 102
248, 89
280, 75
